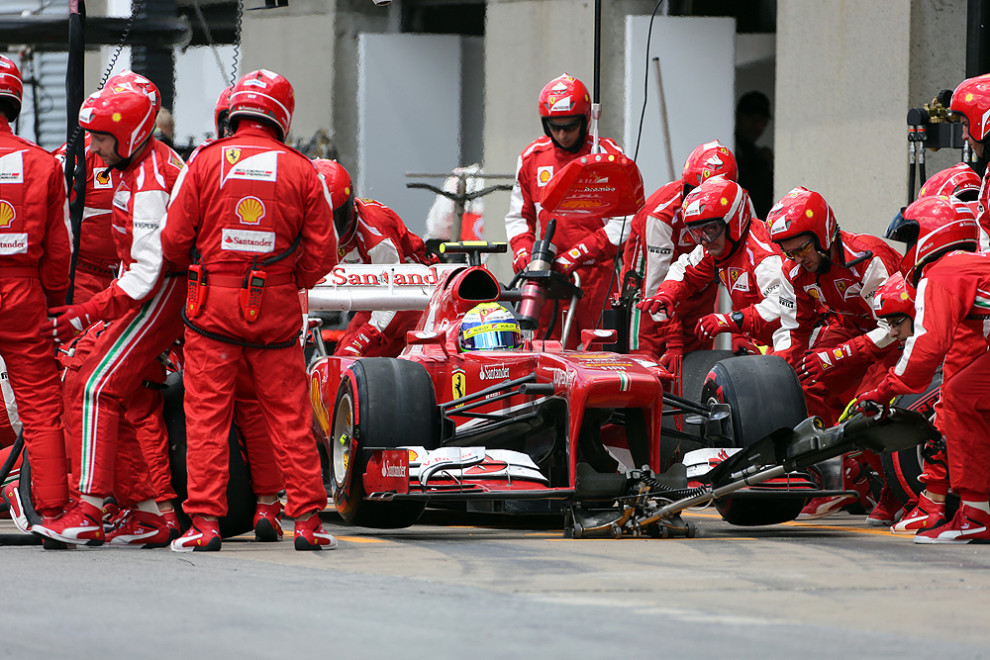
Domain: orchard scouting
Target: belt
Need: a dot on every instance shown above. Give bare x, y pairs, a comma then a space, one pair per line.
93, 267
19, 271
237, 281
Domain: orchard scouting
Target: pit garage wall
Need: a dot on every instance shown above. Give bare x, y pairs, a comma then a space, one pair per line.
847, 72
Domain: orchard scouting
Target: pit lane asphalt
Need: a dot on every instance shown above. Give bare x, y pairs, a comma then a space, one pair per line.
472, 586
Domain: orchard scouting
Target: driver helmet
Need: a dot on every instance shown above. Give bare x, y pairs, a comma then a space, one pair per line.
489, 327
959, 181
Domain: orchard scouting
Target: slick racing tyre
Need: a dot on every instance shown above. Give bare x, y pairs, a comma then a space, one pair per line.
765, 395
902, 468
694, 372
240, 497
381, 403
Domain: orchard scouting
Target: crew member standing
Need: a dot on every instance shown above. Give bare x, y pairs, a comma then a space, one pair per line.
585, 246
35, 250
254, 218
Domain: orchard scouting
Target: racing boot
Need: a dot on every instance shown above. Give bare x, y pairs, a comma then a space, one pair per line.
267, 527
81, 523
172, 522
12, 496
884, 514
310, 535
819, 507
969, 525
110, 511
140, 529
926, 513
202, 536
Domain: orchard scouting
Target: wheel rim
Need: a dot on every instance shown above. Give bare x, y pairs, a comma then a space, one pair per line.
340, 441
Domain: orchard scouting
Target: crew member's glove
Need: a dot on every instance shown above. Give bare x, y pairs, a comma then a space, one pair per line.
715, 324
875, 402
673, 354
743, 345
567, 262
69, 321
815, 364
521, 260
661, 301
363, 339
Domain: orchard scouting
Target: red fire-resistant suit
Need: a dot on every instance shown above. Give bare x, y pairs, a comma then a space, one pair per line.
144, 304
35, 250
600, 237
381, 238
952, 324
750, 273
657, 238
97, 260
243, 200
834, 309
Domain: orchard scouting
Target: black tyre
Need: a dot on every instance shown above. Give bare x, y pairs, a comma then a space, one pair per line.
694, 371
240, 496
765, 395
381, 403
902, 468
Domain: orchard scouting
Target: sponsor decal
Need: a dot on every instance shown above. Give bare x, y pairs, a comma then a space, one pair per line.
393, 469
13, 244
786, 302
7, 214
250, 210
814, 291
102, 179
842, 285
500, 372
543, 175
246, 240
490, 466
259, 167
340, 277
121, 199
233, 154
12, 168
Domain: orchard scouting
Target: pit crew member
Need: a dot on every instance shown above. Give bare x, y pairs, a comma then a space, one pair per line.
585, 246
368, 232
257, 216
953, 292
35, 251
718, 216
657, 238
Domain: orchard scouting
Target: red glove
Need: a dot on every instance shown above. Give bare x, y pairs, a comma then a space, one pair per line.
520, 262
567, 262
54, 298
743, 345
69, 321
815, 364
673, 355
363, 340
661, 301
870, 402
715, 324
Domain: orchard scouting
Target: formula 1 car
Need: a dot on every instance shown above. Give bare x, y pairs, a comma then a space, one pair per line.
581, 428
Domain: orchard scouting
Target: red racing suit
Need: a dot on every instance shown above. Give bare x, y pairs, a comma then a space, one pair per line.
250, 203
144, 305
657, 238
97, 260
834, 310
750, 273
952, 325
35, 251
598, 239
381, 238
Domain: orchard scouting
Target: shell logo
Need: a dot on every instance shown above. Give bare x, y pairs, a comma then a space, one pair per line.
544, 176
116, 117
723, 201
809, 213
904, 296
103, 176
250, 210
969, 97
7, 214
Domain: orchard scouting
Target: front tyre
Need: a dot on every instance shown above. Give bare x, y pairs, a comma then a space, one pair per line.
381, 403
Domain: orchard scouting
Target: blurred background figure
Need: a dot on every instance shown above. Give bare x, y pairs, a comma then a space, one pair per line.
755, 162
165, 127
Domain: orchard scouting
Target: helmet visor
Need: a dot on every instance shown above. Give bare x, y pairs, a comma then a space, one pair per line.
492, 337
903, 230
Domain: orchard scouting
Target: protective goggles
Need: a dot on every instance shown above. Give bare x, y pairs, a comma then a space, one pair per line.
566, 128
708, 231
800, 250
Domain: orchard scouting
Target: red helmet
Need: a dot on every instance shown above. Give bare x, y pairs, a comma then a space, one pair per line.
959, 181
263, 95
11, 85
719, 198
341, 191
803, 211
931, 227
127, 115
565, 96
893, 298
222, 111
972, 100
128, 77
708, 160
